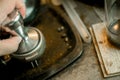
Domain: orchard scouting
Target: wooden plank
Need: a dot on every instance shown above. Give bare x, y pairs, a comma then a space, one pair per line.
108, 55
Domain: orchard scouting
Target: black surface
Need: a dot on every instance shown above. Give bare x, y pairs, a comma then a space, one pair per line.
99, 3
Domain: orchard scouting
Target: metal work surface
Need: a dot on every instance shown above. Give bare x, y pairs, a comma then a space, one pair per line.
70, 10
105, 50
63, 46
87, 67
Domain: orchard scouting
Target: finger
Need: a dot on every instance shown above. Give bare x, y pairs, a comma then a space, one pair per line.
6, 7
12, 32
9, 45
6, 29
21, 7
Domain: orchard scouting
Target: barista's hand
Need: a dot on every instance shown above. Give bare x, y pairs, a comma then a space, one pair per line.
10, 45
7, 6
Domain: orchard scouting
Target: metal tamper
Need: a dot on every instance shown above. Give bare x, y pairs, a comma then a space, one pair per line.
33, 42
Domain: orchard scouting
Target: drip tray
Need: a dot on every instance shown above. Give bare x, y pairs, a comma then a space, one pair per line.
63, 46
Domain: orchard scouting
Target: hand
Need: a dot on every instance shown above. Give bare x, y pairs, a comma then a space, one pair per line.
8, 45
7, 6
11, 44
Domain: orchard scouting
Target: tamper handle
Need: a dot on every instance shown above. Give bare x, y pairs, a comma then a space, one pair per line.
14, 21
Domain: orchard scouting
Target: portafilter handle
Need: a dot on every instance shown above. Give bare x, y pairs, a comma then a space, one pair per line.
14, 21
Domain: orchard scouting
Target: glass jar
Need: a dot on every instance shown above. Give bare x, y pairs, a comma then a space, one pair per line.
112, 11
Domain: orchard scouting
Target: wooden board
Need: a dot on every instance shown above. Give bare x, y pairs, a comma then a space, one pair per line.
108, 54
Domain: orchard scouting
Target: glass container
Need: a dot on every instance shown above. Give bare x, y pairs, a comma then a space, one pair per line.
112, 11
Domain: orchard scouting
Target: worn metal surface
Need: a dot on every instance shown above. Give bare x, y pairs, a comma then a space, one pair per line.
69, 7
105, 50
87, 67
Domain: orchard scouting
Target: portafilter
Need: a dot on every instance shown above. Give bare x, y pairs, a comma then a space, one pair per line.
33, 42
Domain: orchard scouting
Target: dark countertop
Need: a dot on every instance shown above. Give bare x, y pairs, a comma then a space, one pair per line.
87, 67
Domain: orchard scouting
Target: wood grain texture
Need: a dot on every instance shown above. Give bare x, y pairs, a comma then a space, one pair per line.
108, 54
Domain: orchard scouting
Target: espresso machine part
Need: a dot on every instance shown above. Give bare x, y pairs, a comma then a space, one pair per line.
33, 43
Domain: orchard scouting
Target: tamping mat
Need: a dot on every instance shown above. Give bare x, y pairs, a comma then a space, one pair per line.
63, 47
108, 54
